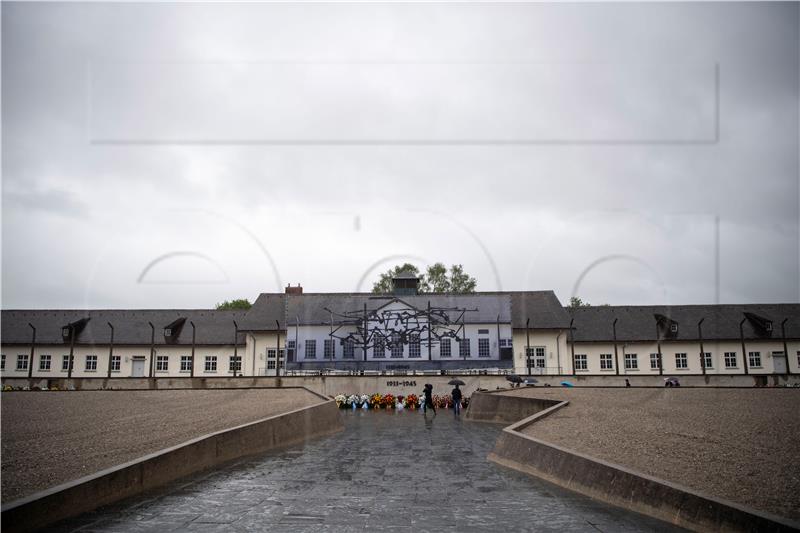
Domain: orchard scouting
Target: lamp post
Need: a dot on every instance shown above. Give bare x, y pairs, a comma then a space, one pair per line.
702, 351
110, 348
235, 348
616, 356
191, 369
33, 346
744, 349
572, 344
152, 350
278, 349
785, 347
528, 344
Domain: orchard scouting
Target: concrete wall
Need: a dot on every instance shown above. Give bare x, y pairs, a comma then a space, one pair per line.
332, 385
157, 469
615, 484
486, 407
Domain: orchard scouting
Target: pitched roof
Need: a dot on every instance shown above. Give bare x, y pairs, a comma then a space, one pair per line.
130, 326
541, 307
720, 322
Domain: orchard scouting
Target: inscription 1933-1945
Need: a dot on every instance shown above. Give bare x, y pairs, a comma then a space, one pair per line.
397, 383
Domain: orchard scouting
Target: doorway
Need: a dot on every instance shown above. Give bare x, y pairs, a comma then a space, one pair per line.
138, 367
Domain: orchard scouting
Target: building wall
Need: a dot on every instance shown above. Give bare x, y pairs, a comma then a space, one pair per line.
127, 356
321, 333
554, 342
262, 353
669, 349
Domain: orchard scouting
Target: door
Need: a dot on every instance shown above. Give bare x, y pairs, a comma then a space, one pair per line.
138, 368
779, 362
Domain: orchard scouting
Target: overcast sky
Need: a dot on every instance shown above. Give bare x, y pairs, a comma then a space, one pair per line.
175, 155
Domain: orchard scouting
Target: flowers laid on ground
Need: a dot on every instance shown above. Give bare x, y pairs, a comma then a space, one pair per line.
390, 401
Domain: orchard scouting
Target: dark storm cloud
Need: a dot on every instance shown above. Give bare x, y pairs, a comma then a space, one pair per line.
544, 213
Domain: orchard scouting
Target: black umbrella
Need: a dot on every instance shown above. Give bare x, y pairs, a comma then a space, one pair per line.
456, 382
513, 378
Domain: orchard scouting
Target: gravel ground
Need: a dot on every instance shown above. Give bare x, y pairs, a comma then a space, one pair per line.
737, 444
50, 438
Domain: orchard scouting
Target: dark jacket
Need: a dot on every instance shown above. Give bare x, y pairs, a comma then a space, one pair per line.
456, 394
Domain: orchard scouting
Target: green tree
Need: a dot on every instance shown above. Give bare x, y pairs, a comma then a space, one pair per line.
437, 278
577, 303
241, 303
460, 281
384, 284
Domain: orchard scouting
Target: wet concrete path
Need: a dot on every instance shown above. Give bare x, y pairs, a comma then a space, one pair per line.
395, 471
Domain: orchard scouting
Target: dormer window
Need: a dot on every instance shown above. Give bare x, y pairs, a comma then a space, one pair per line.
65, 332
168, 332
673, 327
768, 326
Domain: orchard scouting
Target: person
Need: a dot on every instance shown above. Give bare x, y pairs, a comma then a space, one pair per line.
456, 394
427, 394
627, 383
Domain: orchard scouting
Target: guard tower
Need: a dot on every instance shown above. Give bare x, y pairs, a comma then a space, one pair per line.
405, 284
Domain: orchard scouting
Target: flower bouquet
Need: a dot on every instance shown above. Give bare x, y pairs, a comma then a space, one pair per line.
364, 401
375, 401
388, 401
412, 401
341, 400
399, 401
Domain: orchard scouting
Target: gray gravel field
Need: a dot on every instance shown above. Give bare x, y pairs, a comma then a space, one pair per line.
738, 444
52, 437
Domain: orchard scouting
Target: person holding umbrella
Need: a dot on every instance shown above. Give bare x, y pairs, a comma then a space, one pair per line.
456, 395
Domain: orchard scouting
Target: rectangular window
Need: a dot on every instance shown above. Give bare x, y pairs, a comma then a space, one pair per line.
730, 359
631, 361
64, 363
654, 361
22, 362
162, 363
271, 354
290, 346
3, 361
707, 360
755, 359
271, 364
464, 348
681, 361
444, 348
328, 349
186, 363
580, 361
379, 348
349, 349
540, 359
483, 347
397, 346
235, 363
483, 332
606, 363
44, 362
91, 363
505, 343
311, 349
116, 361
414, 347
211, 363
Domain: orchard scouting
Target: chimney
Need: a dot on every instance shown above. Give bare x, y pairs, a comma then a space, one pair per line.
294, 290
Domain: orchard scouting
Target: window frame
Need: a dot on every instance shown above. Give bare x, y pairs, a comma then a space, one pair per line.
186, 363
754, 358
631, 361
708, 360
328, 349
116, 363
349, 349
654, 361
484, 349
235, 364
379, 348
581, 362
465, 348
90, 363
731, 356
414, 347
162, 363
22, 358
310, 348
45, 358
606, 362
446, 349
210, 363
